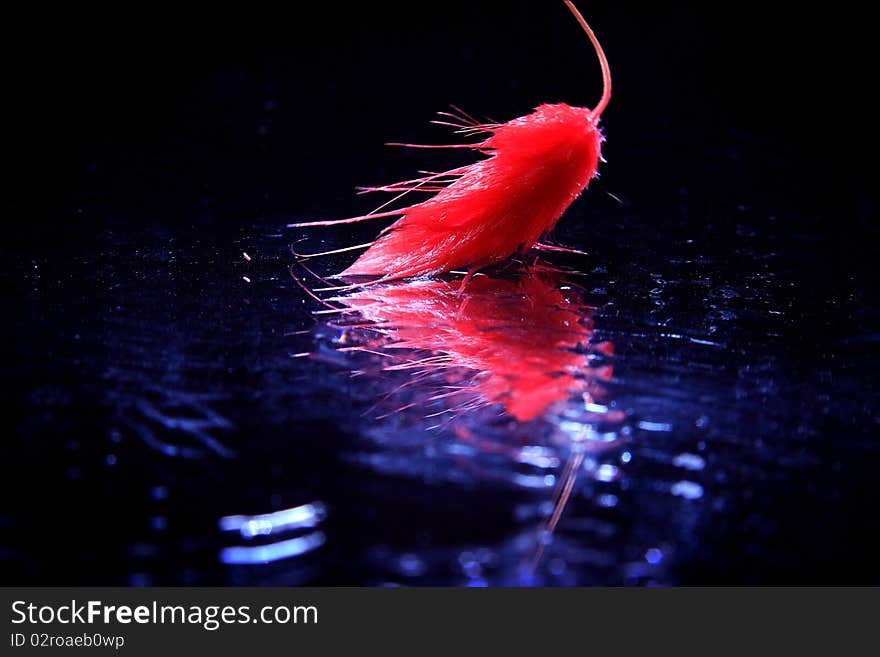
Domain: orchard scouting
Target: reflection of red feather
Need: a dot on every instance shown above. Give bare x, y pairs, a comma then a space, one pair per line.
485, 212
519, 336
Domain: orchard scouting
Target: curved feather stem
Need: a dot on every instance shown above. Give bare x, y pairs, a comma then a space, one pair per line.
603, 61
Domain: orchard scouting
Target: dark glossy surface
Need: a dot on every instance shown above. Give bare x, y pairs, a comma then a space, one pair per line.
150, 367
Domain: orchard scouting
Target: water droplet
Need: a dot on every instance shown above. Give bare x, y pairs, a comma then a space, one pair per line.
653, 556
687, 489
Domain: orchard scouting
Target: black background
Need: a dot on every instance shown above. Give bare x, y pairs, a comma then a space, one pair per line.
82, 87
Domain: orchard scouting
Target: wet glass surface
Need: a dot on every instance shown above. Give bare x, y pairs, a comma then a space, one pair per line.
182, 415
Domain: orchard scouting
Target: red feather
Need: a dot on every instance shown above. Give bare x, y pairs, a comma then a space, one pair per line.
538, 165
485, 212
